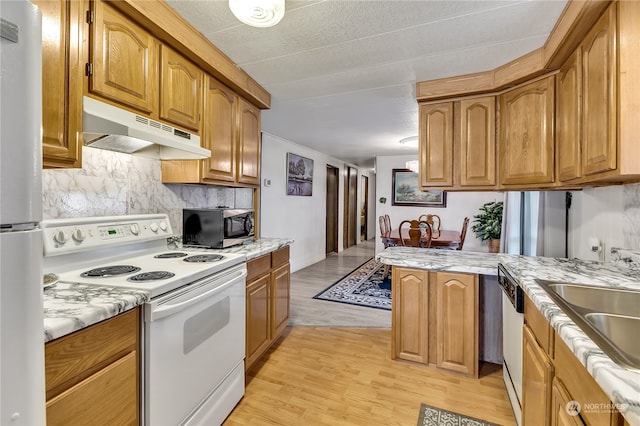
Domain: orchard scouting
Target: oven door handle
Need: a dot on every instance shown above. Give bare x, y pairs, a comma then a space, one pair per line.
167, 310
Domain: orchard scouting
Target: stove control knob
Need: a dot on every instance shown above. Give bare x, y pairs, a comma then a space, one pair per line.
153, 227
135, 229
163, 225
78, 235
60, 237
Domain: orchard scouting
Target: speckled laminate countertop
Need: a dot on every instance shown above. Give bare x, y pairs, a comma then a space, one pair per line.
70, 307
621, 385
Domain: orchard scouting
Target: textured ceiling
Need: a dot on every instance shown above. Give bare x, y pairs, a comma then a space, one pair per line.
342, 73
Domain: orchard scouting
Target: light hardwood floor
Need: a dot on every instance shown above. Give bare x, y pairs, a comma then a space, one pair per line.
345, 376
311, 280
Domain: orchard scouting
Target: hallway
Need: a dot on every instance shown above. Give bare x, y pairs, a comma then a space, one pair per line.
311, 280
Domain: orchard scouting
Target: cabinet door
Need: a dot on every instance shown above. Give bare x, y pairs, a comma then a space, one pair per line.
410, 314
124, 58
526, 134
108, 397
457, 323
569, 117
560, 408
61, 101
599, 151
180, 89
219, 132
477, 141
280, 280
248, 143
435, 151
258, 327
537, 373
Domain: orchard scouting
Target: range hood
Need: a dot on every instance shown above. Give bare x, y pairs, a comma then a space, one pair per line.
108, 127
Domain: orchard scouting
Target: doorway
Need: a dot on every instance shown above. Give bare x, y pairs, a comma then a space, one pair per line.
332, 209
364, 209
350, 207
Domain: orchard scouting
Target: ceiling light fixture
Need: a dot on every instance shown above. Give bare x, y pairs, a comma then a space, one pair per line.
410, 142
258, 13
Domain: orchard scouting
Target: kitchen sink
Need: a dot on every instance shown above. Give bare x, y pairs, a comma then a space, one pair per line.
599, 299
609, 316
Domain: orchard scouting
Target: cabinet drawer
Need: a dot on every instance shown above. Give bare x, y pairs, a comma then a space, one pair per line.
258, 267
539, 326
108, 397
73, 358
280, 257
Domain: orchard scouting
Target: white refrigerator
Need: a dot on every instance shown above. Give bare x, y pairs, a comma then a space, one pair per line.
22, 387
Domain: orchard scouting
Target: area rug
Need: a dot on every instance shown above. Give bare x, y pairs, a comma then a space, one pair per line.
364, 287
432, 416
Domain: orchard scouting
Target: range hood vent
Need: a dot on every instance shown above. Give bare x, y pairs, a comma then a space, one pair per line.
116, 129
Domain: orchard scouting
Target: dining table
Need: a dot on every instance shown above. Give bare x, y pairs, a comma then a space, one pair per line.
446, 239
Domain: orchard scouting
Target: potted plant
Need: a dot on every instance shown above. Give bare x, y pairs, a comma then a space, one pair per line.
488, 224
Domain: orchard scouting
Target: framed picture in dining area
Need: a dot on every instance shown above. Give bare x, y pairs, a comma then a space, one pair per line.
406, 191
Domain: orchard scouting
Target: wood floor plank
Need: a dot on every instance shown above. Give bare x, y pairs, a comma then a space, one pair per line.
345, 376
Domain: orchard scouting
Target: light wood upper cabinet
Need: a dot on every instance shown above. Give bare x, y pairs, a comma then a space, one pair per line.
477, 142
248, 143
410, 314
457, 325
526, 134
458, 144
599, 150
219, 132
180, 90
61, 99
569, 118
124, 58
231, 130
435, 153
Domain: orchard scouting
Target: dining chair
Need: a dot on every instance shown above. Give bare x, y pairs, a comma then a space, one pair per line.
463, 233
387, 222
434, 221
385, 230
420, 233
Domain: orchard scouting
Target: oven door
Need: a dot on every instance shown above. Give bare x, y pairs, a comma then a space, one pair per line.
194, 339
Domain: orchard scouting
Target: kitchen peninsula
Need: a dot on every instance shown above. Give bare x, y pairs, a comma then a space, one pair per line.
621, 386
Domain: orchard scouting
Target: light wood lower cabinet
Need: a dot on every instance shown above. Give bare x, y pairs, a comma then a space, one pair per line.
267, 311
545, 396
92, 375
457, 324
410, 314
560, 407
537, 372
435, 319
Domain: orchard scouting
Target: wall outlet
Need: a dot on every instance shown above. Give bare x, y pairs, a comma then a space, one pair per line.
267, 183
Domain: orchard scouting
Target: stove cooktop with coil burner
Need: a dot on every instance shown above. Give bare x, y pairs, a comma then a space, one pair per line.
127, 252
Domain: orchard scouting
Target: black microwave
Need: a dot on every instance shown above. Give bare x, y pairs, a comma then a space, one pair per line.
216, 228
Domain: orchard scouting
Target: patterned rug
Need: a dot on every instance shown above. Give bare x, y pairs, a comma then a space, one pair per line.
432, 416
364, 286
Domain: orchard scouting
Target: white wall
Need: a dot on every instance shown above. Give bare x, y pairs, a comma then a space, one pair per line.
598, 213
459, 204
297, 217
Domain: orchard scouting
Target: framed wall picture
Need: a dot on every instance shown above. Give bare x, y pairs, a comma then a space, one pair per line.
406, 191
299, 175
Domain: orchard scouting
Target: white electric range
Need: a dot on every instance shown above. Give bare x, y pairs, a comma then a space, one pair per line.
194, 323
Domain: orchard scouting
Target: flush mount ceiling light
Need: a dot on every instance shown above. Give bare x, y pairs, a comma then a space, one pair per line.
258, 13
410, 142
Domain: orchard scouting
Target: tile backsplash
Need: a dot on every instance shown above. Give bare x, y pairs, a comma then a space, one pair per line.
112, 183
